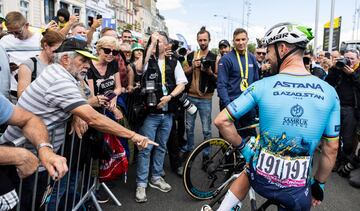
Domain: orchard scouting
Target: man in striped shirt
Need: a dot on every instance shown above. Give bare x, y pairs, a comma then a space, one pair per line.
55, 95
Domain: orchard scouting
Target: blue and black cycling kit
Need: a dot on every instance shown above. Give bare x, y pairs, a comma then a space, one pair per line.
296, 112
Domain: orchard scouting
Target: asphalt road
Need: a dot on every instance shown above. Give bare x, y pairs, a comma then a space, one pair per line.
339, 195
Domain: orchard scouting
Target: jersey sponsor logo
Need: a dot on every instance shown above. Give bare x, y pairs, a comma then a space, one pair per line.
337, 128
248, 90
298, 85
298, 94
276, 37
296, 112
232, 108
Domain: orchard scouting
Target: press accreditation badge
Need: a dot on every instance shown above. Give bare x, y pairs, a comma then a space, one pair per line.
283, 170
244, 85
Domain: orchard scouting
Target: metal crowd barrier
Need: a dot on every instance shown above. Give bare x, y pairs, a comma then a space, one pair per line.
85, 183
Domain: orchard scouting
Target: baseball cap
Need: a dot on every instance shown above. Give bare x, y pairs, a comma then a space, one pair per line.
136, 46
224, 43
77, 45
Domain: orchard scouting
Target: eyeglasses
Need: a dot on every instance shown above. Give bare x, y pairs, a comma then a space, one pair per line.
108, 51
17, 33
261, 53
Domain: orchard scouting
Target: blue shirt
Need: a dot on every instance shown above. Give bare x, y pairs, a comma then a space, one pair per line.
229, 76
6, 109
295, 113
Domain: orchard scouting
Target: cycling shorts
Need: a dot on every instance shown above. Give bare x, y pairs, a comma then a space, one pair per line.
292, 198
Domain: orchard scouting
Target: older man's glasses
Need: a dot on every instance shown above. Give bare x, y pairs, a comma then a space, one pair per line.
108, 51
17, 33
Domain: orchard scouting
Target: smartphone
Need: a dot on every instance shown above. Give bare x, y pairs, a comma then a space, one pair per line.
109, 95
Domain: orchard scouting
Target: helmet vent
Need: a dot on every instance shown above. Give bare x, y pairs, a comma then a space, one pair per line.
268, 33
281, 30
294, 35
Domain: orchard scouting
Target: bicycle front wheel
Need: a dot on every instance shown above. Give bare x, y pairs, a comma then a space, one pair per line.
208, 166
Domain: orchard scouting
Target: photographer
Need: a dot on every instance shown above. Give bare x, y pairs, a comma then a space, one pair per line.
344, 76
201, 86
163, 80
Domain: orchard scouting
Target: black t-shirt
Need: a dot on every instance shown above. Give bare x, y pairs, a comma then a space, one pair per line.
105, 82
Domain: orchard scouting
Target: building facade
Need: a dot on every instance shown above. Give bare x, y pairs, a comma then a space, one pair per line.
140, 16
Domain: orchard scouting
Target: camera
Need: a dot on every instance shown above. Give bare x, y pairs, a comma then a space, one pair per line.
187, 105
178, 51
149, 90
206, 63
340, 63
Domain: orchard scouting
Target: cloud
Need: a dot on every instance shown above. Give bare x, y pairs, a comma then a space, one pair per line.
163, 5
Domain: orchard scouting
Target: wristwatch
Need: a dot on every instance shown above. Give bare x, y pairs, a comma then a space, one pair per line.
45, 145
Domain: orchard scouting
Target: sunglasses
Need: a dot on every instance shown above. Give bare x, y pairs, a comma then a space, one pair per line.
108, 51
261, 53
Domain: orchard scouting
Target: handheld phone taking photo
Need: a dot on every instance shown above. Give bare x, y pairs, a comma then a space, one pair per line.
109, 95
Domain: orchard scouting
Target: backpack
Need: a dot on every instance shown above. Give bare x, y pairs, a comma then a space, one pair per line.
113, 162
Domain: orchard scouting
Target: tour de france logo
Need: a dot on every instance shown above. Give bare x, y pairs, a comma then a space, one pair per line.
297, 111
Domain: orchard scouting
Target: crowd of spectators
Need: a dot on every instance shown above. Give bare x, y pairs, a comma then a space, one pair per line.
118, 86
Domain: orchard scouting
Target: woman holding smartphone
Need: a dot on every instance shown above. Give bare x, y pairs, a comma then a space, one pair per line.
103, 75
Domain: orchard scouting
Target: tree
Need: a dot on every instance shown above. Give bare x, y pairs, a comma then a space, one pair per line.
251, 47
128, 26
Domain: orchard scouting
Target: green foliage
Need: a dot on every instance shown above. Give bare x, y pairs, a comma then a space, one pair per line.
251, 47
128, 26
215, 50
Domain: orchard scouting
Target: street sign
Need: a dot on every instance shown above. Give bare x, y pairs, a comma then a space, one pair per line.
108, 22
336, 35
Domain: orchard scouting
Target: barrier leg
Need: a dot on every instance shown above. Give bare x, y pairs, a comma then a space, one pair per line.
111, 194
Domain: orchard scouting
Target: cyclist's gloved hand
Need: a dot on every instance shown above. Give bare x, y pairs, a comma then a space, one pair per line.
246, 150
317, 189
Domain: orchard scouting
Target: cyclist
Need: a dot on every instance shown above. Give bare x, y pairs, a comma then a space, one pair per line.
296, 110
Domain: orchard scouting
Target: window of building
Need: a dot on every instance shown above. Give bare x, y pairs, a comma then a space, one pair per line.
64, 5
49, 10
76, 10
24, 8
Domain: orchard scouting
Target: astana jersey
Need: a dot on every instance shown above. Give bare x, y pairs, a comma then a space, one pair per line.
295, 112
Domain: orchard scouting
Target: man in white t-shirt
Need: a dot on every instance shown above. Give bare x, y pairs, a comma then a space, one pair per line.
20, 44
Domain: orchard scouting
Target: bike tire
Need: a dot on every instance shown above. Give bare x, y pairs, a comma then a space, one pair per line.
200, 183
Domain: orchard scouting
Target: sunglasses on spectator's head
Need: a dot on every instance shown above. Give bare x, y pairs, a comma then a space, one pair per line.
108, 51
261, 53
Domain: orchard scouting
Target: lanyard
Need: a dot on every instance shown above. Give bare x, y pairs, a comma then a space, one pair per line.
163, 80
241, 67
198, 55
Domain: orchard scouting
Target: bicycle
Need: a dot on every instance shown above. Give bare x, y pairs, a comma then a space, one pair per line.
212, 166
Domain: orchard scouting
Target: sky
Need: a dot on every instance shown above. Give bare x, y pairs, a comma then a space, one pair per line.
187, 16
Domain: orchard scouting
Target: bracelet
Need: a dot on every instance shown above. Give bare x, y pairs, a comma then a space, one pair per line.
97, 99
44, 145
